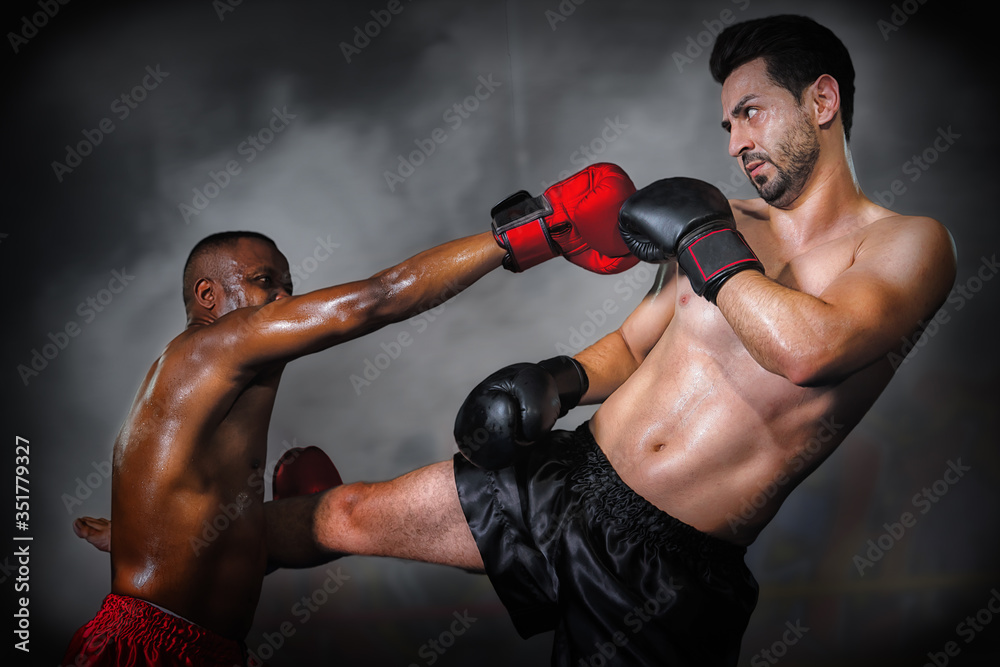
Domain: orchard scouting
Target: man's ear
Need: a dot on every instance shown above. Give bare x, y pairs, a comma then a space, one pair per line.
205, 293
824, 97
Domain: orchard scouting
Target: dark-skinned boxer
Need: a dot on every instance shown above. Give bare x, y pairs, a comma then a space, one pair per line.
131, 631
193, 446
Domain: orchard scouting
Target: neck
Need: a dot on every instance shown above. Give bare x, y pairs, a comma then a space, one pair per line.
200, 319
830, 202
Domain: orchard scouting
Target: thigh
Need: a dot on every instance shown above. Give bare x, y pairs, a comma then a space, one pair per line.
416, 516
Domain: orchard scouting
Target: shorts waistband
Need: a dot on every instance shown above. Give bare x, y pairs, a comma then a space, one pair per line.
614, 501
124, 618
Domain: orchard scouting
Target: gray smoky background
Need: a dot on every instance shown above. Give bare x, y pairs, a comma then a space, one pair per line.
313, 123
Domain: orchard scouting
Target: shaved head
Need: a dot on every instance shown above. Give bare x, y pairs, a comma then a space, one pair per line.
206, 258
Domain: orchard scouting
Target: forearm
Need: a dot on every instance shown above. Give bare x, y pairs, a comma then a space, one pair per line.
788, 332
291, 534
608, 363
292, 327
432, 277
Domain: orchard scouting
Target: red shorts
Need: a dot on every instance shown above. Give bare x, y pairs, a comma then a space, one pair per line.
129, 631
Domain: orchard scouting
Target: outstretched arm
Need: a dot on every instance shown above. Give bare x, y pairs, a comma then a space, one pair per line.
576, 218
295, 326
901, 275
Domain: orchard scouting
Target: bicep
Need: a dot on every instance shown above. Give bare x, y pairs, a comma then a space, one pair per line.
894, 284
646, 324
288, 328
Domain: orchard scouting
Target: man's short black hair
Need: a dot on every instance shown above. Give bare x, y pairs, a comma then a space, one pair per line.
208, 245
797, 51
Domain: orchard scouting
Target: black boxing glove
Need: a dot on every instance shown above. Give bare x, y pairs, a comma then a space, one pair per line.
692, 221
516, 406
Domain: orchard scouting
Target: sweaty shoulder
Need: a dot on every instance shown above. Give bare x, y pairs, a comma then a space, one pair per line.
187, 349
918, 225
208, 346
912, 237
911, 257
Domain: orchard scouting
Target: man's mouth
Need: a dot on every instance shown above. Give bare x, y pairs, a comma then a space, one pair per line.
753, 168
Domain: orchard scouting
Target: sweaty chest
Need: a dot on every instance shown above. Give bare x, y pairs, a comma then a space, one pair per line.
810, 272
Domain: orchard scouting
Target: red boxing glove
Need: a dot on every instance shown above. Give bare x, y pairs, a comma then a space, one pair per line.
577, 218
302, 471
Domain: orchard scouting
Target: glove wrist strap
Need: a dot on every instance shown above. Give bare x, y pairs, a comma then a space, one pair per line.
519, 228
712, 258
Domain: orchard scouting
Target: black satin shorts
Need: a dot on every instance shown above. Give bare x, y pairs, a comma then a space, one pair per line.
569, 547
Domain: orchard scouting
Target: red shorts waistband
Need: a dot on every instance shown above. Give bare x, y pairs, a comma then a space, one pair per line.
141, 633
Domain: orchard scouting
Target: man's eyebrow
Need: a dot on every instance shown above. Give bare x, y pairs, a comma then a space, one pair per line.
259, 268
737, 109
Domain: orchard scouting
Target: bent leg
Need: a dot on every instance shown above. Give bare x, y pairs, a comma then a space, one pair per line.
417, 516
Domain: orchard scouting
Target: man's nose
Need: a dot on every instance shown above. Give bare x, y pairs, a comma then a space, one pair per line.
739, 141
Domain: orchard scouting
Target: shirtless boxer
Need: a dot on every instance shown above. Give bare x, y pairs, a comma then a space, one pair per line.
742, 370
194, 443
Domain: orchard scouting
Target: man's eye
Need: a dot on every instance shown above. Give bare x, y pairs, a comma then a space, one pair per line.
751, 112
264, 279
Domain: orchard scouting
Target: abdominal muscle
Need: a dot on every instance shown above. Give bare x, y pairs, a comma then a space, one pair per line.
699, 429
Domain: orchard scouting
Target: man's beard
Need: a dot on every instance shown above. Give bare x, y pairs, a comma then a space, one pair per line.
798, 154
